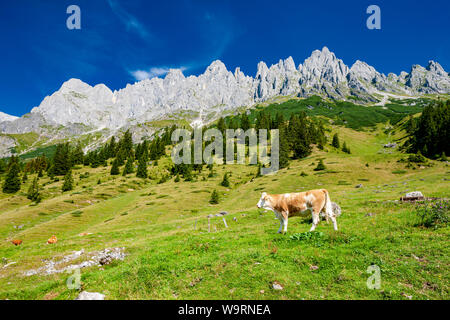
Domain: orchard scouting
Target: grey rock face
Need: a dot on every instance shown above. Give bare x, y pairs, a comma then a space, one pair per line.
6, 117
6, 146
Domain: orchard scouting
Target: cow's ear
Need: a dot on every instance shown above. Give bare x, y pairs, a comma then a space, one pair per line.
263, 195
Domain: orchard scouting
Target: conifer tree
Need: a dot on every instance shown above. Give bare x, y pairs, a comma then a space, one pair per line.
68, 181
77, 154
61, 160
142, 168
225, 182
345, 148
12, 180
320, 166
299, 136
214, 197
335, 143
33, 191
115, 167
128, 167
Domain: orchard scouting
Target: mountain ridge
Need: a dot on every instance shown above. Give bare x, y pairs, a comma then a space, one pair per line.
320, 74
78, 107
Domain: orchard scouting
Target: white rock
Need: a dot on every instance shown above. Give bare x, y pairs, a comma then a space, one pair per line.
414, 194
90, 296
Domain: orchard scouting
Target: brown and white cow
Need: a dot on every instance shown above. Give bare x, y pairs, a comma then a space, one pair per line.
298, 204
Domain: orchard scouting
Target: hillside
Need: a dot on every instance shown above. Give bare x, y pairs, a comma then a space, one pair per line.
171, 255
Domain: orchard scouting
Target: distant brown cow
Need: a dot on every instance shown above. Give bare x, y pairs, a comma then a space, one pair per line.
52, 240
298, 204
16, 242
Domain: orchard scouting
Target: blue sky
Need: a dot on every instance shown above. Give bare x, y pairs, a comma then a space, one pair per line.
122, 41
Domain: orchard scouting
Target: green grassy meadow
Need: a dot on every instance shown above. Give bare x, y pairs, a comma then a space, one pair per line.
171, 254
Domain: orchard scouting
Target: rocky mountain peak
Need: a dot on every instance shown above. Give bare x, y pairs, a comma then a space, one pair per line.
174, 75
216, 67
74, 85
261, 70
323, 66
436, 68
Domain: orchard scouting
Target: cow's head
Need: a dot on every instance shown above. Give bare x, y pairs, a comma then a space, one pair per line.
264, 201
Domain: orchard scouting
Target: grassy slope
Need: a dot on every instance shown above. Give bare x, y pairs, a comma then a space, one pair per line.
168, 259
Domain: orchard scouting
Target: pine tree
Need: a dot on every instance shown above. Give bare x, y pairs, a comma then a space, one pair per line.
33, 191
61, 160
299, 137
142, 168
12, 180
78, 154
335, 143
225, 182
68, 181
345, 148
320, 166
214, 197
177, 178
115, 167
128, 167
111, 148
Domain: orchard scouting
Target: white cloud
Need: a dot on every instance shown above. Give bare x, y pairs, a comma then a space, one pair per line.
152, 72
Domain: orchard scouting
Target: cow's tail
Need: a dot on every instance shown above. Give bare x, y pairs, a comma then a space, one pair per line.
327, 207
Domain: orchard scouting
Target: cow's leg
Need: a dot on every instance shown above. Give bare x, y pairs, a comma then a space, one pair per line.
280, 217
315, 219
281, 225
333, 218
285, 221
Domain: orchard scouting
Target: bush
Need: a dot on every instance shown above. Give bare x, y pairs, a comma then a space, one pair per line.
417, 158
433, 214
